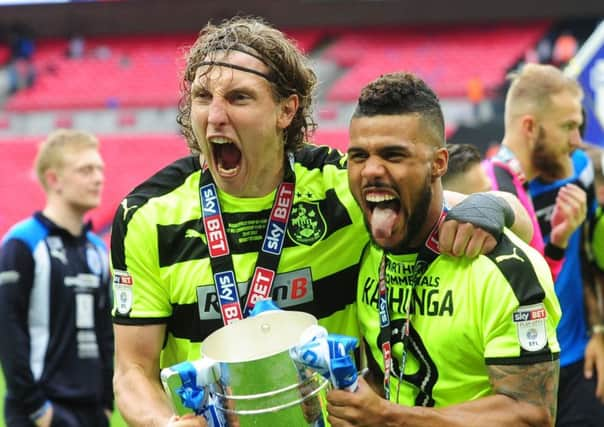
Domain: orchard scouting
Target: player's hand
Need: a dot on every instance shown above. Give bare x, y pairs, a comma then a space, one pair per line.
361, 408
594, 360
474, 225
188, 420
464, 239
569, 213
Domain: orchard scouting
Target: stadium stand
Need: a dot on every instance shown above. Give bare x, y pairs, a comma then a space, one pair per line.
131, 72
128, 160
134, 71
446, 57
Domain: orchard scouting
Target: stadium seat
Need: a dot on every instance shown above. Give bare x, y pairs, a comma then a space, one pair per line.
448, 58
133, 71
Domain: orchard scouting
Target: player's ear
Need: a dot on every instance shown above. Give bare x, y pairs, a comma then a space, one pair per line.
51, 178
288, 108
529, 127
440, 162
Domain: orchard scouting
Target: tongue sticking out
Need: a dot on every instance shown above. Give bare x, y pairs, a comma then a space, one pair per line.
382, 222
229, 156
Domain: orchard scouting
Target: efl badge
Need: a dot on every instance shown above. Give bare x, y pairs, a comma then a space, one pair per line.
530, 324
306, 223
122, 285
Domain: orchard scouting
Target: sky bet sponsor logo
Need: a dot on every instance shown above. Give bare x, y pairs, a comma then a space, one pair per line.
261, 285
275, 231
229, 296
289, 289
383, 312
534, 314
212, 221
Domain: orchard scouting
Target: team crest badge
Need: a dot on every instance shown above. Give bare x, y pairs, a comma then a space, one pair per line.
306, 225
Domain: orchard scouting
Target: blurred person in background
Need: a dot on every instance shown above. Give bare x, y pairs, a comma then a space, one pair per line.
465, 173
593, 244
253, 203
581, 394
56, 347
452, 341
596, 232
534, 96
543, 116
593, 261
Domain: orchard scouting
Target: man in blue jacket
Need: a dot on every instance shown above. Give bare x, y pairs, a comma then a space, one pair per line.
56, 347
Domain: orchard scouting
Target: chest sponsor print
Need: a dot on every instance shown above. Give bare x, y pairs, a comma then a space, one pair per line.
289, 290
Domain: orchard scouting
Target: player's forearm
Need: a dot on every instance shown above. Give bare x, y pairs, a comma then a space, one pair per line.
141, 400
492, 411
522, 226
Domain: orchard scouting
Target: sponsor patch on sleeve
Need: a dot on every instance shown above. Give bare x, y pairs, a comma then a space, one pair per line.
530, 325
122, 286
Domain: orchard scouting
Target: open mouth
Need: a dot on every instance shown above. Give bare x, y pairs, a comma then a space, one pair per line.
384, 210
393, 204
382, 200
227, 157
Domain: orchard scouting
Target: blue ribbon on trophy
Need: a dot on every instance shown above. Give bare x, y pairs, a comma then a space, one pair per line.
194, 385
191, 382
329, 355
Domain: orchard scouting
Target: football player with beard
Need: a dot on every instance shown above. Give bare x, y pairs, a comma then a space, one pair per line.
449, 341
543, 119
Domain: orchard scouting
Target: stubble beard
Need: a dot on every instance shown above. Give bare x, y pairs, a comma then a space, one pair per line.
549, 167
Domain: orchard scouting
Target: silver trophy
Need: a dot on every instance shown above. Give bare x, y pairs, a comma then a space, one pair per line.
256, 382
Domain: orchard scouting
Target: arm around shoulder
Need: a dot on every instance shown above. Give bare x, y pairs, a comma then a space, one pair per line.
520, 222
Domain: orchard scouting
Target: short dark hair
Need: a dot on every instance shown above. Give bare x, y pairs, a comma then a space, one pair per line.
461, 158
402, 93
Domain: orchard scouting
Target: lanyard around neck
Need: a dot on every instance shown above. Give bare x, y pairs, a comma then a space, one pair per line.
221, 259
426, 255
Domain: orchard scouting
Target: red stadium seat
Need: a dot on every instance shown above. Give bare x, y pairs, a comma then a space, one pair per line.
134, 71
446, 57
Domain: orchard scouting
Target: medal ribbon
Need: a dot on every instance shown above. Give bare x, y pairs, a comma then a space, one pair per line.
221, 259
426, 255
